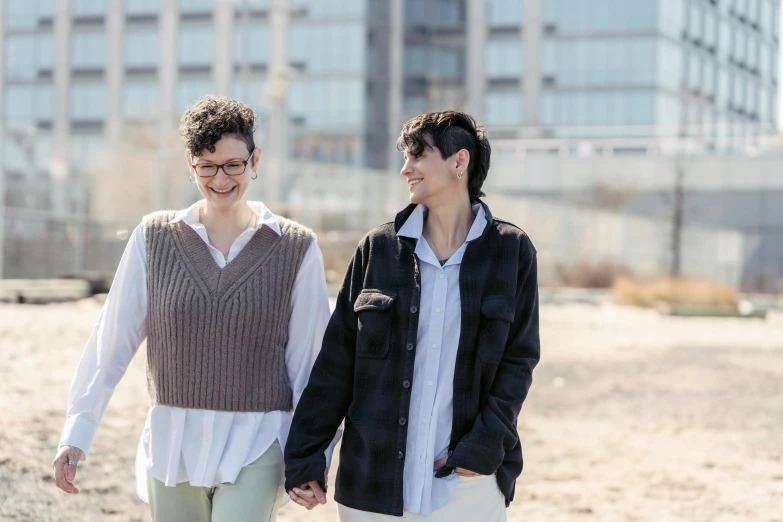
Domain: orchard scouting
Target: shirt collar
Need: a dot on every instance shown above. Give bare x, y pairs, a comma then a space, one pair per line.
414, 225
263, 214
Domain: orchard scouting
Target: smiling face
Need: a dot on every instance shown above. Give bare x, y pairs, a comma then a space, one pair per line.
221, 190
432, 179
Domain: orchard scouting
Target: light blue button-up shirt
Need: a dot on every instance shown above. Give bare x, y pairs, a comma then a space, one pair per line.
431, 407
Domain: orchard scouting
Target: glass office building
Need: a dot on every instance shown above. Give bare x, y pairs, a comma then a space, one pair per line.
78, 72
708, 67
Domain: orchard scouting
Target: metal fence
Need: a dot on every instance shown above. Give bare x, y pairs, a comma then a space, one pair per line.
581, 202
39, 245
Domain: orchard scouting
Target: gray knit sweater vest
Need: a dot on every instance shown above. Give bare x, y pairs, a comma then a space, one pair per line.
216, 337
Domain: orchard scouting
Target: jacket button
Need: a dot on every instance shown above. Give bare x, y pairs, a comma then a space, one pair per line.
414, 309
409, 346
451, 453
406, 384
399, 455
402, 421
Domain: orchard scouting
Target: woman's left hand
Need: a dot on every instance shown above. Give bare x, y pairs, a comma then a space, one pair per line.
462, 472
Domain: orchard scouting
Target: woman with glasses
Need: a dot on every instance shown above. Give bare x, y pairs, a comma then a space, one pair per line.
232, 301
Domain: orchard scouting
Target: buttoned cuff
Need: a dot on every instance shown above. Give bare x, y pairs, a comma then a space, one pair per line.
79, 433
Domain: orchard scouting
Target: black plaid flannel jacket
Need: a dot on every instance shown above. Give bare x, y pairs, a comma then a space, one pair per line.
363, 372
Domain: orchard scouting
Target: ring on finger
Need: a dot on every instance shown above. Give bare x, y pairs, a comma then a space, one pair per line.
72, 463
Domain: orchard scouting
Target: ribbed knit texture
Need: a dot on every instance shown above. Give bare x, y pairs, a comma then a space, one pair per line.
216, 337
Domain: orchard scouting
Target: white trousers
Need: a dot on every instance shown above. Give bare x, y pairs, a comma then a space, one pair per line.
474, 499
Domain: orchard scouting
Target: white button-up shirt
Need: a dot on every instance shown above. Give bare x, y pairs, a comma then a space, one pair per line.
202, 447
431, 406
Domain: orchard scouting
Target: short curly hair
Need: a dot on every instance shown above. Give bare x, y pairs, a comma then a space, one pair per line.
213, 117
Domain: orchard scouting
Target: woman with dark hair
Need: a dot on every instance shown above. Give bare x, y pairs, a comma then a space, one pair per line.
430, 351
232, 300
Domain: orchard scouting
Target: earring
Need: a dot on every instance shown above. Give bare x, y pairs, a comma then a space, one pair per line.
255, 175
459, 175
190, 178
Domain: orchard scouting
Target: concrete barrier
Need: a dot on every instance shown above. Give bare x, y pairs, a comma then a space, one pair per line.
43, 290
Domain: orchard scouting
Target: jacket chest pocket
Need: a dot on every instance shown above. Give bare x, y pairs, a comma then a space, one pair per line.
374, 310
497, 314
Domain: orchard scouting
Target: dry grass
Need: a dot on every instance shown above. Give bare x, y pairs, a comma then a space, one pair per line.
667, 291
583, 274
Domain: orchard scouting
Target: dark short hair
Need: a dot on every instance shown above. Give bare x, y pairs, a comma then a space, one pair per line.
213, 117
450, 132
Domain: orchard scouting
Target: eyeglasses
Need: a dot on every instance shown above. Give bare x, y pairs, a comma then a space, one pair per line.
232, 168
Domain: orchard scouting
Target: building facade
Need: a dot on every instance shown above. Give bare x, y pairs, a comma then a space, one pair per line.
78, 74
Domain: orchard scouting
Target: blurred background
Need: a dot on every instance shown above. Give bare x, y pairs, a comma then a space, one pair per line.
637, 137
636, 141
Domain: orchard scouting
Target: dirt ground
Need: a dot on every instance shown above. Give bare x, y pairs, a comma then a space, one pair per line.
632, 417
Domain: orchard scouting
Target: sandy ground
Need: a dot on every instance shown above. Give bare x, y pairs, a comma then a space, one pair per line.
632, 417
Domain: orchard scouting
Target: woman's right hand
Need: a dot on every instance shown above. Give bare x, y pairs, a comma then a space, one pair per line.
64, 471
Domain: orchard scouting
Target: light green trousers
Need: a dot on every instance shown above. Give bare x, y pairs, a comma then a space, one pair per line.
254, 497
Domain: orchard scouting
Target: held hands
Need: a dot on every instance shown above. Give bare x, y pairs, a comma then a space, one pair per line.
462, 472
64, 466
310, 495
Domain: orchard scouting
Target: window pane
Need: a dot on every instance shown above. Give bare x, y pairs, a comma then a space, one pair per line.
433, 62
504, 59
765, 61
710, 29
669, 65
88, 50
606, 16
88, 101
327, 103
601, 61
766, 18
695, 21
709, 77
24, 14
20, 57
434, 13
504, 13
142, 7
87, 7
503, 109
196, 47
724, 40
250, 93
414, 105
142, 48
26, 54
694, 71
753, 53
334, 47
140, 100
326, 9
753, 10
724, 89
251, 44
29, 104
601, 108
196, 6
188, 91
764, 112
